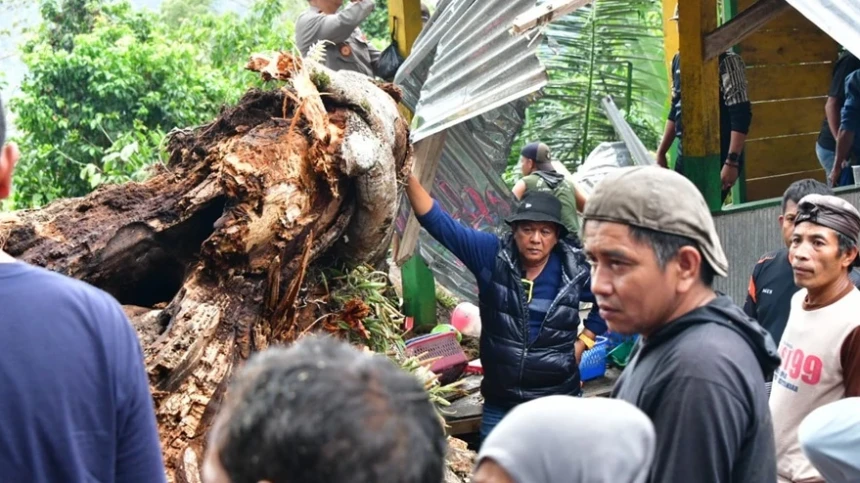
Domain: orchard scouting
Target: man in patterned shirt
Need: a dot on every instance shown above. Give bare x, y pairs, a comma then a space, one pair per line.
735, 118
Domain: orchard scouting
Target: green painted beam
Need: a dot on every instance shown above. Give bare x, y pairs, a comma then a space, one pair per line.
704, 172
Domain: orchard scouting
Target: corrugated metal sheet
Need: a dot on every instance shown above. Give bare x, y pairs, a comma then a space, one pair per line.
467, 75
746, 236
838, 18
637, 149
477, 64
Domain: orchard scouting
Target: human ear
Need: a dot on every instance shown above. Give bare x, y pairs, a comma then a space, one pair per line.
849, 256
8, 158
688, 262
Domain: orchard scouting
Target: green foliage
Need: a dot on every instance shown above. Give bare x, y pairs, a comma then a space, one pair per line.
106, 82
614, 47
376, 26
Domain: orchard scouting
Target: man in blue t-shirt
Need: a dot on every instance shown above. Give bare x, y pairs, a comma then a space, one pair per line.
75, 404
530, 283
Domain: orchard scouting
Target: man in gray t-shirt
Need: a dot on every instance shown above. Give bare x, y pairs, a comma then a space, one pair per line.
346, 47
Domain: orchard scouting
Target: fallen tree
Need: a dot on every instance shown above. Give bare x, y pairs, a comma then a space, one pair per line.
210, 255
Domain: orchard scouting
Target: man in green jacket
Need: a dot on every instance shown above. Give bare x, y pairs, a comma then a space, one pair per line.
540, 175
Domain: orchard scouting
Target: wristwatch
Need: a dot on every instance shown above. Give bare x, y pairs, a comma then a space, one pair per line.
732, 160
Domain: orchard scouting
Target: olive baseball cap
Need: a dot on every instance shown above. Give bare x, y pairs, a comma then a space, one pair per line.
658, 199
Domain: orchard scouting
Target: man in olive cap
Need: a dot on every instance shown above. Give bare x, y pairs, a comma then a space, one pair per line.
820, 347
540, 175
530, 283
698, 370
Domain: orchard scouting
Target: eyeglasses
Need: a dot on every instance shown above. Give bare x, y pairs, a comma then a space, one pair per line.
529, 287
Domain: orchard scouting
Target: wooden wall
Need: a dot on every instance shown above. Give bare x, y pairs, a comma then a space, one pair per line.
789, 65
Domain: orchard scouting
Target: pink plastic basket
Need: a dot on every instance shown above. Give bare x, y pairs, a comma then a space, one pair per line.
451, 360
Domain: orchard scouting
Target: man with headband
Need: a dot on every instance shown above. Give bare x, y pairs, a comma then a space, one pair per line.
820, 348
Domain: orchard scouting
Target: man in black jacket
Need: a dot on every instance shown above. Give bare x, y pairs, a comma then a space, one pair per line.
698, 370
530, 283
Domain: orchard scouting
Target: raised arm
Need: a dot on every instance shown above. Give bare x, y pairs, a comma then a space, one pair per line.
337, 27
419, 198
476, 249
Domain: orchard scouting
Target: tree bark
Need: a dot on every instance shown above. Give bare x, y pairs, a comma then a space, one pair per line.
209, 254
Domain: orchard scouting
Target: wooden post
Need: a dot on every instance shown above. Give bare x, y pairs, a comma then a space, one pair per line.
700, 93
404, 19
670, 48
670, 36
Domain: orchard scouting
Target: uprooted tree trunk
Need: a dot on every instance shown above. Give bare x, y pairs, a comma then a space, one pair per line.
209, 254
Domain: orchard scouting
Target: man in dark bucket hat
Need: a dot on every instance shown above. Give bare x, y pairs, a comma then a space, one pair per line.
539, 207
530, 284
698, 368
820, 347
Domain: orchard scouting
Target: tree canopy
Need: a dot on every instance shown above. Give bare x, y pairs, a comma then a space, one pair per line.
106, 81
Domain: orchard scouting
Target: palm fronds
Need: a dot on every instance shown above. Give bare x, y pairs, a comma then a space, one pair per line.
613, 47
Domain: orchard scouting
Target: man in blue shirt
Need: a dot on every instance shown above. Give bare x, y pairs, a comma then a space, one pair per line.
75, 404
846, 142
530, 283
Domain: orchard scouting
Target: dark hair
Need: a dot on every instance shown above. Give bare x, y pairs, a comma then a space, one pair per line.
666, 248
2, 124
845, 244
800, 188
323, 411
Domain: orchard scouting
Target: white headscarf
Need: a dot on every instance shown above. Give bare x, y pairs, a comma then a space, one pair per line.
564, 439
830, 438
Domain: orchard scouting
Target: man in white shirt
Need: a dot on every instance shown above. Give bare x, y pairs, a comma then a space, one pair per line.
820, 348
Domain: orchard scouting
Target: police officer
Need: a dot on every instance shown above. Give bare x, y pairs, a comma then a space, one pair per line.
346, 46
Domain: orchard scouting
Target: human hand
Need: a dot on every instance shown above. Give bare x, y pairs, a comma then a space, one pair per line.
661, 160
578, 349
729, 175
835, 173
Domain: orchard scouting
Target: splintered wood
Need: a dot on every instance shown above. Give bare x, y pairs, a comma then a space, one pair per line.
209, 253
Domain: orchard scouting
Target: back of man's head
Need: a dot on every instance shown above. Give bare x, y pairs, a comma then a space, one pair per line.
322, 411
539, 154
800, 188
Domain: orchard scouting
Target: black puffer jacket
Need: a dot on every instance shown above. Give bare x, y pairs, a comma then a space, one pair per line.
514, 370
